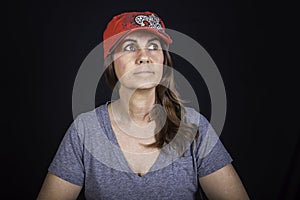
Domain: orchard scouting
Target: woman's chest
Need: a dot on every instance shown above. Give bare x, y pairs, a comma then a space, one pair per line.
138, 156
178, 180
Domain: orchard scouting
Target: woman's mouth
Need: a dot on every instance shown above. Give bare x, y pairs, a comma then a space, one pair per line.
144, 72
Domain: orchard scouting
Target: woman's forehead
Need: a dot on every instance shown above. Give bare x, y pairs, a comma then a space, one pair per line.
141, 35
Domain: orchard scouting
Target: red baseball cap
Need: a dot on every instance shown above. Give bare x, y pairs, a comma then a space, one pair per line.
123, 24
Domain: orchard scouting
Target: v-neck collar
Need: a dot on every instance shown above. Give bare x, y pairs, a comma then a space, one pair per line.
112, 137
165, 158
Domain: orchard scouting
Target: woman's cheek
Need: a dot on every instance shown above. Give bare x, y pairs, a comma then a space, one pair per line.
158, 56
120, 67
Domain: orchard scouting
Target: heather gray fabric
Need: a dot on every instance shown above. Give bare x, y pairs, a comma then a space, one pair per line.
89, 156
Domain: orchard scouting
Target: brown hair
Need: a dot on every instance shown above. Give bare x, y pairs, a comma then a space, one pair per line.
168, 98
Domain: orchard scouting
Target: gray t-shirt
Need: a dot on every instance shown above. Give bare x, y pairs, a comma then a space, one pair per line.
89, 156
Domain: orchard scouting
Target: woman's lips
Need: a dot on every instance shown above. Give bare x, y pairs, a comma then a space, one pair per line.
144, 72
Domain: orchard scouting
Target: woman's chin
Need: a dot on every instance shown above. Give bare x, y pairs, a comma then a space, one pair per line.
145, 86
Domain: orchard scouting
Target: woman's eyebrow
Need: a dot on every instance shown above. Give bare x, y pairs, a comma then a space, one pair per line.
129, 40
153, 39
135, 41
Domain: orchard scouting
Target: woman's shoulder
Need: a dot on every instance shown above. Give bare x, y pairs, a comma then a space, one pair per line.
92, 117
195, 117
99, 110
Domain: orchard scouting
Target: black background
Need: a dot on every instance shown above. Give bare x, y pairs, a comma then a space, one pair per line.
249, 41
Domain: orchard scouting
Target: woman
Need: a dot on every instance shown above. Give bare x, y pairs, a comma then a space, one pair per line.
145, 144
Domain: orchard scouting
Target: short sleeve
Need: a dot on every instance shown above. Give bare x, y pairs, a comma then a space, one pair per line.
68, 160
211, 153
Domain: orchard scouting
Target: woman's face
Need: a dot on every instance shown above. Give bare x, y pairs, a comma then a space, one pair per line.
138, 61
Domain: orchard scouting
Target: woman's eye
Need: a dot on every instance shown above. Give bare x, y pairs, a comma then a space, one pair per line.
153, 47
129, 48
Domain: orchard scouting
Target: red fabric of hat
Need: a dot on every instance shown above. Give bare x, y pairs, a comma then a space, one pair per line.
125, 23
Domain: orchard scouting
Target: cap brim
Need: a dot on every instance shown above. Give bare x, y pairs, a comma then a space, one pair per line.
159, 32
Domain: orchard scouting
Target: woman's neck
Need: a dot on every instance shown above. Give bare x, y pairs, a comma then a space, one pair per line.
136, 105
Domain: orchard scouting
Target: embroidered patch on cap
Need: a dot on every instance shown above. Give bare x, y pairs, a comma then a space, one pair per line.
121, 25
151, 21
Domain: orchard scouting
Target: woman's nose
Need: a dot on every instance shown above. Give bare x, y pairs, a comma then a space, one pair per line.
143, 58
